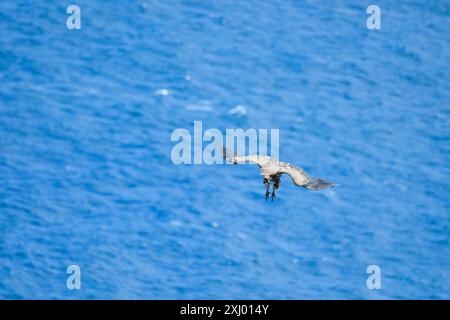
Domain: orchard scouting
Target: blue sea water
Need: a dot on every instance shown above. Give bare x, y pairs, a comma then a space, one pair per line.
86, 175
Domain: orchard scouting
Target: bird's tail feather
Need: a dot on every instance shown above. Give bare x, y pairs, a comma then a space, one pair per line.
318, 184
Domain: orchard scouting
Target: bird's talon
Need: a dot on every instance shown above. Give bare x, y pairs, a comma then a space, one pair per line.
267, 195
273, 196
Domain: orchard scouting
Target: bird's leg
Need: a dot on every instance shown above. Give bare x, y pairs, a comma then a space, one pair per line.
267, 184
276, 185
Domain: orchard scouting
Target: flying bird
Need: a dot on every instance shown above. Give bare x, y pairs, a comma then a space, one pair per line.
271, 170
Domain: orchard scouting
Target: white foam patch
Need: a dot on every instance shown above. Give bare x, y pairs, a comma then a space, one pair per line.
162, 92
238, 110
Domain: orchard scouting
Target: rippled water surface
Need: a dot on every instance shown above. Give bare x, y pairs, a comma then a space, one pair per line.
86, 176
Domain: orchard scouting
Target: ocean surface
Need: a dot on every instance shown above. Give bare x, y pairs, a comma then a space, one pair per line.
86, 176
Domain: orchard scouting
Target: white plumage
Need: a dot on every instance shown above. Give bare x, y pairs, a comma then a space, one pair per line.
271, 170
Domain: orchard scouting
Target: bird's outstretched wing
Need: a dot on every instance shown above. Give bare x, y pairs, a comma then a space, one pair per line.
298, 175
302, 179
233, 158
